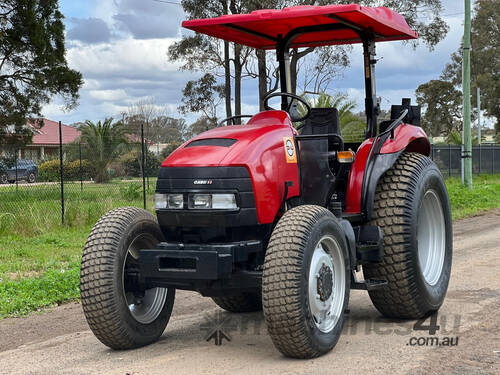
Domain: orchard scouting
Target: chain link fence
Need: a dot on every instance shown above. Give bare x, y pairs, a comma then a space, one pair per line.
485, 159
74, 184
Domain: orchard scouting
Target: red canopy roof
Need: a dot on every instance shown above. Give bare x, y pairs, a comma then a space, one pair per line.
260, 29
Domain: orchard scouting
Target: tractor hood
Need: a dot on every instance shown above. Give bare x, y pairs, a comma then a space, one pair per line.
231, 145
265, 147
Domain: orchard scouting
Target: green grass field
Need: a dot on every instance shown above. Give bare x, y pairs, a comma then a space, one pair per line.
40, 259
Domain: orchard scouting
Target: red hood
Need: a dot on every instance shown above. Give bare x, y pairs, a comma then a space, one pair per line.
259, 126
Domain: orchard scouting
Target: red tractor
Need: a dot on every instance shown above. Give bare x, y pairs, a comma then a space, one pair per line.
273, 217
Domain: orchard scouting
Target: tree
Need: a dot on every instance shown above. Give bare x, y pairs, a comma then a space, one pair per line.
200, 52
485, 59
328, 60
33, 65
167, 129
202, 96
106, 141
442, 105
201, 125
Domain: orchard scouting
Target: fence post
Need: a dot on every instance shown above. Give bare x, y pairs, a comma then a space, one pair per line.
492, 159
81, 171
143, 166
61, 172
432, 152
17, 185
449, 160
479, 157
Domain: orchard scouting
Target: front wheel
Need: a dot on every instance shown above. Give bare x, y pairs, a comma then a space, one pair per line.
306, 282
411, 206
4, 179
120, 312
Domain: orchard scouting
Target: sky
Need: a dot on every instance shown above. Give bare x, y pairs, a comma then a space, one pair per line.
120, 47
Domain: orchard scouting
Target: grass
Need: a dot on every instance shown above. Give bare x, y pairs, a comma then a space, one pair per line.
39, 271
40, 259
35, 209
484, 196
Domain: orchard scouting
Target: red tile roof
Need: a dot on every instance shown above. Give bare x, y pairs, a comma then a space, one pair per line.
49, 133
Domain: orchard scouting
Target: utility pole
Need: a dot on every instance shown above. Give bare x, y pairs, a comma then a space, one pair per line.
478, 115
466, 94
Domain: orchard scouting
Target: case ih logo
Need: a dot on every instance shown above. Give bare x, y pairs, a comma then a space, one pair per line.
202, 182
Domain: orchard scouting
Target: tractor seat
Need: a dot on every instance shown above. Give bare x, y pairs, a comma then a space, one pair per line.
323, 121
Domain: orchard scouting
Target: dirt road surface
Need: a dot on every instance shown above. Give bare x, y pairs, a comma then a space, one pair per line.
59, 342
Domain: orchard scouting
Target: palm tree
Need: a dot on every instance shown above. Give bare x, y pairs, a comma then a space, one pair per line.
106, 141
352, 126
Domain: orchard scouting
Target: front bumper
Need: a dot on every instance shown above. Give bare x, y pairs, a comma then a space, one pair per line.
207, 268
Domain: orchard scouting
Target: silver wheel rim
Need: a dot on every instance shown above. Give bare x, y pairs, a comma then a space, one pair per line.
431, 237
146, 309
327, 256
31, 178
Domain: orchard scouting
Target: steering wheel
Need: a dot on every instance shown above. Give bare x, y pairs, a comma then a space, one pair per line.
233, 118
291, 106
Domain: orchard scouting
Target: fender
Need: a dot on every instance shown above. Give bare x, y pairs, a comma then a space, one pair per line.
367, 170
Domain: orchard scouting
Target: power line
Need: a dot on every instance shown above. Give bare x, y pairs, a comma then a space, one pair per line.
168, 2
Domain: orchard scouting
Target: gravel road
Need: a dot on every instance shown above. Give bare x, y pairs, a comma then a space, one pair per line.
59, 341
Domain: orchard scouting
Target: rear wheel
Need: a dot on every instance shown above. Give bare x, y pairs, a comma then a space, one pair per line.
244, 302
4, 179
306, 282
411, 206
120, 312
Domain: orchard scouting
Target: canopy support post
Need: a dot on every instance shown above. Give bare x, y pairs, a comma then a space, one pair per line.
372, 106
283, 56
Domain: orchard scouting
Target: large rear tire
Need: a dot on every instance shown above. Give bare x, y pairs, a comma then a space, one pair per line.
306, 282
121, 315
244, 302
412, 208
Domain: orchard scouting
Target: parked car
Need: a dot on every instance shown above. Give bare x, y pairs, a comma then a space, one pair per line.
26, 170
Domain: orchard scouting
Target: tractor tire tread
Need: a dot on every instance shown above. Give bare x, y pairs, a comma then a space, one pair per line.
282, 273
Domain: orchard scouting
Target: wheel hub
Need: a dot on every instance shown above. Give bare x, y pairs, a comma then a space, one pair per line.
144, 305
325, 282
431, 237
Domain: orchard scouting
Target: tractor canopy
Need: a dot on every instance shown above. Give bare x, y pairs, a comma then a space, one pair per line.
321, 25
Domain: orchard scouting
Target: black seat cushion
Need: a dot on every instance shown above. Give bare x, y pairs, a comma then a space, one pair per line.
322, 121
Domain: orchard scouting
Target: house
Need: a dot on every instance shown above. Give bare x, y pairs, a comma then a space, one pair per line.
45, 143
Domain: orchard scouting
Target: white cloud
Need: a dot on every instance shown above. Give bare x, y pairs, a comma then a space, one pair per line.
127, 56
108, 95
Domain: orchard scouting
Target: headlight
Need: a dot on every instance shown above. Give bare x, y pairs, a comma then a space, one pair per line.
200, 201
196, 201
172, 201
175, 201
212, 201
224, 201
160, 201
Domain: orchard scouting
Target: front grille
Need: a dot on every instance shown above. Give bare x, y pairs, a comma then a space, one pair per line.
208, 179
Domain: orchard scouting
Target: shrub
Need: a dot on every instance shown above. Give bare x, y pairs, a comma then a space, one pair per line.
130, 164
131, 192
49, 170
171, 147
